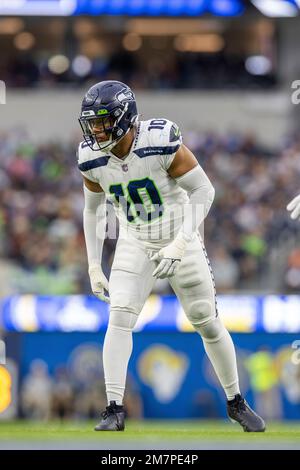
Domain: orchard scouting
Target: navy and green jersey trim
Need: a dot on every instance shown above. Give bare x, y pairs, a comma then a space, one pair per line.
151, 151
91, 164
141, 153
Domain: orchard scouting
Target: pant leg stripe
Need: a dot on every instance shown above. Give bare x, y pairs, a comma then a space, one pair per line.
211, 273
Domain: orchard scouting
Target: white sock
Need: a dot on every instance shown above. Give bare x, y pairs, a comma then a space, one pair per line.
117, 350
116, 353
221, 353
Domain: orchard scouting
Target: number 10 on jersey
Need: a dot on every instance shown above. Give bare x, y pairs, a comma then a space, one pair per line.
139, 199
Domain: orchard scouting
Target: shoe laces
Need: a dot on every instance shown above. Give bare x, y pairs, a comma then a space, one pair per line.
240, 405
110, 410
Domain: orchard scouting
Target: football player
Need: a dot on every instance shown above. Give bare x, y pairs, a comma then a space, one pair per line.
161, 195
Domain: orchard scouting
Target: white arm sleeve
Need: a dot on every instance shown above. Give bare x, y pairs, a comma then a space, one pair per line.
94, 224
201, 193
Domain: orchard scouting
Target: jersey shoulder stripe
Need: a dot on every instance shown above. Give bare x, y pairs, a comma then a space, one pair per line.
91, 164
86, 158
152, 151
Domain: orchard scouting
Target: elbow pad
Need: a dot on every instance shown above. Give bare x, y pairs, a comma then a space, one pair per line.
93, 202
201, 193
198, 187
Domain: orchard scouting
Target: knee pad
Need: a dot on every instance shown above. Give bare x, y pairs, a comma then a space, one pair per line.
125, 301
212, 331
200, 311
122, 320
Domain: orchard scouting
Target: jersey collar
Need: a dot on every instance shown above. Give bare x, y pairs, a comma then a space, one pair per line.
130, 154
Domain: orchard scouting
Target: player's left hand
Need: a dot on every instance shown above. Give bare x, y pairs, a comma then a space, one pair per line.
169, 258
294, 207
99, 283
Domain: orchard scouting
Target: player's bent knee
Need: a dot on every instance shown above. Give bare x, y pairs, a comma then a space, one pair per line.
122, 319
213, 330
200, 311
122, 301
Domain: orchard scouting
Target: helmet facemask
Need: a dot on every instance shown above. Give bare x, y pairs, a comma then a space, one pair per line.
92, 126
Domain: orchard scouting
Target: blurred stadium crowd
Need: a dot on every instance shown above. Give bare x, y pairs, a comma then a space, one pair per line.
248, 234
64, 395
175, 71
77, 389
148, 53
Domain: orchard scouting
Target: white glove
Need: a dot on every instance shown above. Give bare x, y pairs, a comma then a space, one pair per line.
169, 258
294, 206
98, 282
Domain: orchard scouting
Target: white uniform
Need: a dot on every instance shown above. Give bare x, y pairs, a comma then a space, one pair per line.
149, 205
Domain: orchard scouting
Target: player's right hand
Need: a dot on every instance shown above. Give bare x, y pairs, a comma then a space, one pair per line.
99, 283
294, 207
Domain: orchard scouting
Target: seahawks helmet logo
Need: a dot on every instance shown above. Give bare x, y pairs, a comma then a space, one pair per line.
125, 95
90, 98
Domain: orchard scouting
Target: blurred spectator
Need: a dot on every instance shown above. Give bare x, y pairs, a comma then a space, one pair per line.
91, 398
226, 270
292, 275
65, 395
36, 392
62, 394
289, 371
265, 381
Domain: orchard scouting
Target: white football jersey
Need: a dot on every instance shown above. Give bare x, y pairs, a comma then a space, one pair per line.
147, 201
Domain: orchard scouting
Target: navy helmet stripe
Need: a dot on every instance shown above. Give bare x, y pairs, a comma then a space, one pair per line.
101, 161
151, 151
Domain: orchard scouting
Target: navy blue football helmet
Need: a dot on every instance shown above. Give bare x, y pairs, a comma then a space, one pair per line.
109, 109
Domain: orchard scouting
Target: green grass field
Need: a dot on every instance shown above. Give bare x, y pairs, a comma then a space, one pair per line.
146, 434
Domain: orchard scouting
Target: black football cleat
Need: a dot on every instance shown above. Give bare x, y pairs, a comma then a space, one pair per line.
239, 411
113, 418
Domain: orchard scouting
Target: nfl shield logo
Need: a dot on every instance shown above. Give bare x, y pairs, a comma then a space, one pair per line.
125, 167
